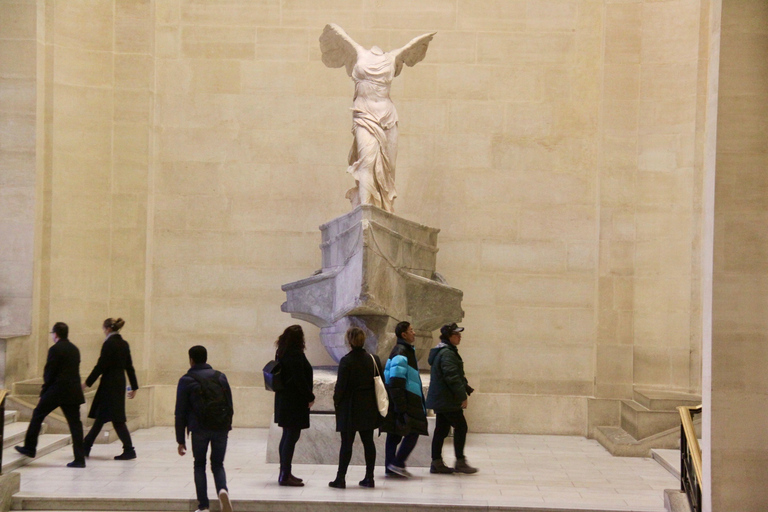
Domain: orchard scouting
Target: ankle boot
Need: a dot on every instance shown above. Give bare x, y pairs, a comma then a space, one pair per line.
438, 466
129, 454
367, 482
339, 483
288, 480
463, 467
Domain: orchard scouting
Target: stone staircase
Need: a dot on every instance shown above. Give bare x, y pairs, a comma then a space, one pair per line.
24, 398
14, 435
649, 421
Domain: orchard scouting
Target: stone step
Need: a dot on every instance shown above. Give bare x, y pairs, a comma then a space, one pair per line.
23, 405
664, 400
675, 500
621, 444
342, 504
14, 433
10, 417
28, 387
46, 444
641, 422
669, 460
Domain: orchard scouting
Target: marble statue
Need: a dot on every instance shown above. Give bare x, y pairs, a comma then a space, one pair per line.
374, 149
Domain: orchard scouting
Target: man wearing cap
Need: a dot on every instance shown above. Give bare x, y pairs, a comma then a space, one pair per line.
447, 396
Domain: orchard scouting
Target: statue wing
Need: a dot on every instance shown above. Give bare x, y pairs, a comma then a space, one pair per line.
412, 53
338, 48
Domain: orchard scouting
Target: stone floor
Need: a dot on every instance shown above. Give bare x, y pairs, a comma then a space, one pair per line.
517, 472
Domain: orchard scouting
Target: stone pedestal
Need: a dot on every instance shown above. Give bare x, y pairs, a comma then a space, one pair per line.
320, 444
378, 270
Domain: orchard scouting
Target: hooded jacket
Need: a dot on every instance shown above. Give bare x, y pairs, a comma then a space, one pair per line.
448, 386
407, 413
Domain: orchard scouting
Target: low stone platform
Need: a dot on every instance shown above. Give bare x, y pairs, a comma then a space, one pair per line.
517, 473
320, 443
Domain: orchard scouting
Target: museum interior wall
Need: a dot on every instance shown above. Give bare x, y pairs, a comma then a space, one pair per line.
736, 433
186, 152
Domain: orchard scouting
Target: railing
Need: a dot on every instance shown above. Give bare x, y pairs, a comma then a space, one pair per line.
690, 457
3, 394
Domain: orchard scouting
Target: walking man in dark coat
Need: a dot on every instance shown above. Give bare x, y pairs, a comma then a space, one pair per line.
407, 416
61, 388
191, 415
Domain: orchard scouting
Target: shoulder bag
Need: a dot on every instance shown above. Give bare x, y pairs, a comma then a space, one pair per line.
382, 399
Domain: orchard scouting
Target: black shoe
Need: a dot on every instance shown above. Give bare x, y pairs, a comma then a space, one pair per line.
439, 467
339, 483
288, 480
127, 455
76, 464
87, 451
367, 482
26, 451
463, 467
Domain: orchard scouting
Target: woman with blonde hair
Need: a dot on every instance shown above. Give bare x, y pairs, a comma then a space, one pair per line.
109, 403
354, 400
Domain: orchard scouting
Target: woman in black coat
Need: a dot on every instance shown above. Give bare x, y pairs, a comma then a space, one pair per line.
109, 402
292, 404
354, 400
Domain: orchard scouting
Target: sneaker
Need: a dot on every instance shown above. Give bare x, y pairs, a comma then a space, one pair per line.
398, 470
25, 451
439, 467
126, 455
76, 464
463, 467
226, 505
202, 510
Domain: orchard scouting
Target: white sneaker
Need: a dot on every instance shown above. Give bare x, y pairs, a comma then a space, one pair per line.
202, 510
399, 471
226, 505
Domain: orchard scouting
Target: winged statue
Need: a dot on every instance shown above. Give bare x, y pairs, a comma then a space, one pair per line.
374, 117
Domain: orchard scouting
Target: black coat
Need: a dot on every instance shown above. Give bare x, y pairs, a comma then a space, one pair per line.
114, 362
354, 396
447, 385
61, 377
292, 403
407, 412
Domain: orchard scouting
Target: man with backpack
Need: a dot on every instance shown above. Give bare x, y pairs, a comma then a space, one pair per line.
204, 408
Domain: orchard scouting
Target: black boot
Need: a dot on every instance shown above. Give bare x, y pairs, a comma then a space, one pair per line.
128, 454
339, 483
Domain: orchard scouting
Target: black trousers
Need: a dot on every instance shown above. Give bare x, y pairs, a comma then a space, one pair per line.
46, 406
120, 429
443, 423
287, 446
345, 452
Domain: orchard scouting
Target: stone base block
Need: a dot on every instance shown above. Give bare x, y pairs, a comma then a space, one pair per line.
320, 444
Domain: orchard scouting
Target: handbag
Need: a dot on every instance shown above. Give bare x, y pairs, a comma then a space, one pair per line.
382, 399
273, 377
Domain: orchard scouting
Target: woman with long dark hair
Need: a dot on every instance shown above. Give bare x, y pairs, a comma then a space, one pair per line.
292, 403
354, 400
109, 402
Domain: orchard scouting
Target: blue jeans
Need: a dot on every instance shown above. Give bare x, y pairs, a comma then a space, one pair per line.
200, 442
395, 456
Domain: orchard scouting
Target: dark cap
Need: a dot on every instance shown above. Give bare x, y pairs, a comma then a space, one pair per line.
449, 329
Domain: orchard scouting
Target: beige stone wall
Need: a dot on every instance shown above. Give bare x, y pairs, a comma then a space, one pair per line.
737, 439
192, 148
17, 166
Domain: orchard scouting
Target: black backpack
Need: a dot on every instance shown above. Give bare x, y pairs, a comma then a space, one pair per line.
215, 413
